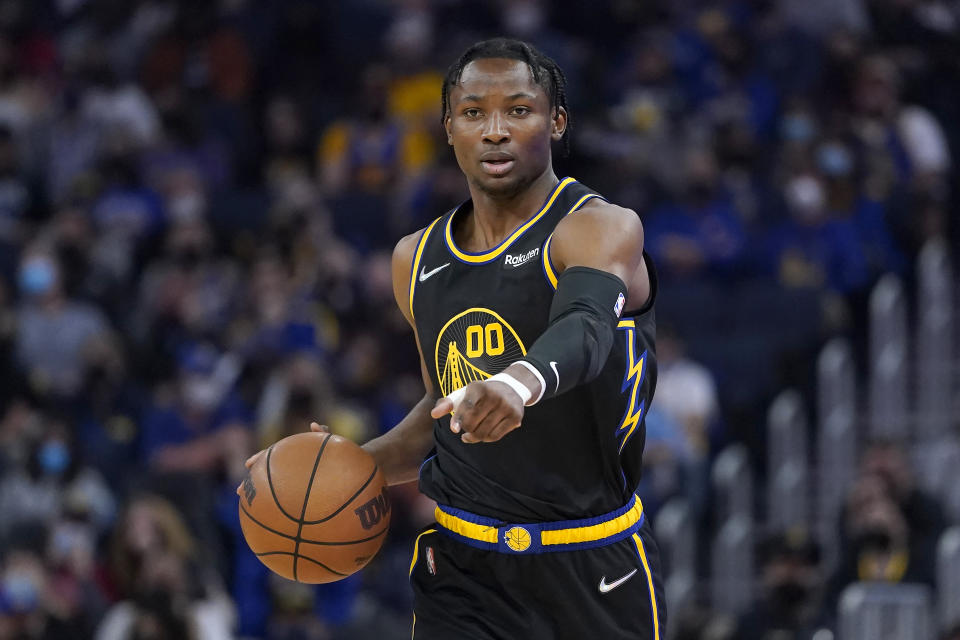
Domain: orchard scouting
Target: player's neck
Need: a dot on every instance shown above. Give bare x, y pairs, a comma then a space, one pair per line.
495, 217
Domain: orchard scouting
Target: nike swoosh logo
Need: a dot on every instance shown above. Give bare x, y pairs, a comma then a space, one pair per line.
604, 587
424, 274
553, 365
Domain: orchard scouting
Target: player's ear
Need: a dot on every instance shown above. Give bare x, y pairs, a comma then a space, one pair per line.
446, 126
559, 123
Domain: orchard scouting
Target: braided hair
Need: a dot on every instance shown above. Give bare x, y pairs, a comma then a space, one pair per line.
546, 73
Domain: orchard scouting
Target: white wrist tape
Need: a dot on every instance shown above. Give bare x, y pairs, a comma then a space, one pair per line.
543, 385
456, 396
521, 389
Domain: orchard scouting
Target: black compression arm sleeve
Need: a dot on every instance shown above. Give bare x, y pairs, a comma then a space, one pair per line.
583, 320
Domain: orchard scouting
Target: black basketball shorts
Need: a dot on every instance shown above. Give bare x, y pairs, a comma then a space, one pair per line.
579, 580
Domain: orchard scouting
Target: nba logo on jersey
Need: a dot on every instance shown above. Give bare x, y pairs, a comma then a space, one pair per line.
618, 308
431, 564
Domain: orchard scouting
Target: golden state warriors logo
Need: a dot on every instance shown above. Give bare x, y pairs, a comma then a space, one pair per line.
474, 345
517, 538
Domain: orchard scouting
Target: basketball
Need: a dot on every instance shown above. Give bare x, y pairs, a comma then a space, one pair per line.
314, 508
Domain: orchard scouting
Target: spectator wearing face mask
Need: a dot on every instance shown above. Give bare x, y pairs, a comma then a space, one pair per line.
812, 249
846, 200
34, 493
75, 599
923, 512
296, 393
202, 427
52, 328
23, 583
188, 288
791, 584
702, 234
878, 544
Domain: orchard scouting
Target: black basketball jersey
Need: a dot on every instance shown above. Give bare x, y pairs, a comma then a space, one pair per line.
575, 455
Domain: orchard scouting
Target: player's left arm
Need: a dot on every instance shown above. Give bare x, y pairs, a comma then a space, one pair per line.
598, 252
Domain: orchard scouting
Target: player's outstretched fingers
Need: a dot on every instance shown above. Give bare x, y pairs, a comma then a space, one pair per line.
252, 460
441, 408
316, 427
483, 431
447, 405
504, 426
469, 413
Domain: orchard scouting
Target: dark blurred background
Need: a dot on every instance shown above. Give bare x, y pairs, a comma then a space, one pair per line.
198, 201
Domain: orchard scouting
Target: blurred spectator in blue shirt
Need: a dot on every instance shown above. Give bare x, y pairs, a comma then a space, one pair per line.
718, 71
361, 158
126, 215
702, 233
812, 250
835, 162
108, 411
201, 425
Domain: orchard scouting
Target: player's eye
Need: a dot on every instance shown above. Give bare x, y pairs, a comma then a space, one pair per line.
471, 113
520, 111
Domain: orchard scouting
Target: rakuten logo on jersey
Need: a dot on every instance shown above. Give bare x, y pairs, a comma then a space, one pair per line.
521, 259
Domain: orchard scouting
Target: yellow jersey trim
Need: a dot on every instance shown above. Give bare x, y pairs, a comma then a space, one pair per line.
547, 264
487, 256
416, 551
416, 260
653, 595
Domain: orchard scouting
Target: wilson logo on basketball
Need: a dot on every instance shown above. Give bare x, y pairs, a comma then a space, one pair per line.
372, 512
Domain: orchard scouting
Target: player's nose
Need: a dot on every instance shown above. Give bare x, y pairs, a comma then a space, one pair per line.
496, 130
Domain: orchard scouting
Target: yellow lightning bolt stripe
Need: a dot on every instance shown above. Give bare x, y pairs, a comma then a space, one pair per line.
635, 372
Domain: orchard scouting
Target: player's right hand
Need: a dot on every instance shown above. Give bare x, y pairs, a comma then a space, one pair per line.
316, 427
484, 411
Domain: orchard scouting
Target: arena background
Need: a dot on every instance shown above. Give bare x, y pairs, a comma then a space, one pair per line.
198, 200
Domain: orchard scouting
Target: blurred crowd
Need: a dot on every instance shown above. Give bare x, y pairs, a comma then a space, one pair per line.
887, 531
198, 201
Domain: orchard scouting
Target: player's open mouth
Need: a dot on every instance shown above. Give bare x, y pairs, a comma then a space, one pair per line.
497, 167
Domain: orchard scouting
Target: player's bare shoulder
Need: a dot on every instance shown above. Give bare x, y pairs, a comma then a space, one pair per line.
598, 227
404, 250
606, 216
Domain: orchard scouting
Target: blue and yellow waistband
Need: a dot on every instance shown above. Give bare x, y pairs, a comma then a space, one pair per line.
540, 537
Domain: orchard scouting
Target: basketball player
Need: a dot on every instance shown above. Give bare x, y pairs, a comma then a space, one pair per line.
532, 305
